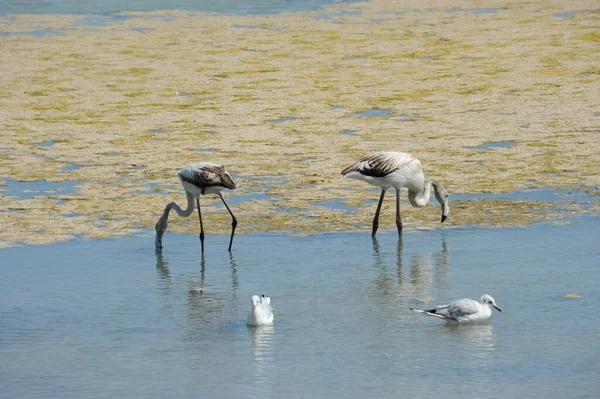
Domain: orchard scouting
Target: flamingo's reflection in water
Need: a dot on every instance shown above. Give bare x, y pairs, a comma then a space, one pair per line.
425, 269
162, 268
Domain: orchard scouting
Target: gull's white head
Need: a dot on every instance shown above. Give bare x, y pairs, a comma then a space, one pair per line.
488, 300
255, 301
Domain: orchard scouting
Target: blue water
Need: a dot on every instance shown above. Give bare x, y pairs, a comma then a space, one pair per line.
35, 33
157, 131
573, 13
103, 20
497, 144
535, 194
477, 11
114, 6
282, 120
373, 113
48, 143
111, 318
27, 190
70, 167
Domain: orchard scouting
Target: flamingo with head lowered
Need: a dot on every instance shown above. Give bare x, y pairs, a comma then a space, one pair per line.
397, 170
198, 179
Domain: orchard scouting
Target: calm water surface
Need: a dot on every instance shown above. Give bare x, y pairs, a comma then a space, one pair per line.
110, 318
112, 6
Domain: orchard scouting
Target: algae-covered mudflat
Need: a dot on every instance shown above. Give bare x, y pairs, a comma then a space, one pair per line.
97, 113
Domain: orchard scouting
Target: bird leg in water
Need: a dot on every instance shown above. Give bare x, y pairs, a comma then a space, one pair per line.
376, 218
398, 216
233, 221
201, 226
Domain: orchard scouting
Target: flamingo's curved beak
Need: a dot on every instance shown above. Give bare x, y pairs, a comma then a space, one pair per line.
160, 227
445, 211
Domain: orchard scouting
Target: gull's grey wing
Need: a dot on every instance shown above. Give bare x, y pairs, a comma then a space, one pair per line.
459, 308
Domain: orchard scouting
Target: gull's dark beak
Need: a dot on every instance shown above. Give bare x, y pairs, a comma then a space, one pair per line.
497, 308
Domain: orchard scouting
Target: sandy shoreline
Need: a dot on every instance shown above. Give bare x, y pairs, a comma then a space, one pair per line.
277, 100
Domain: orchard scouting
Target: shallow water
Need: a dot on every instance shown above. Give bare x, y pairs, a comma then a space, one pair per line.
111, 6
111, 318
28, 190
533, 194
498, 144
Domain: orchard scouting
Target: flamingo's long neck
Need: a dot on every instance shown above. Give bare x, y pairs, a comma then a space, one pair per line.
183, 213
161, 225
420, 202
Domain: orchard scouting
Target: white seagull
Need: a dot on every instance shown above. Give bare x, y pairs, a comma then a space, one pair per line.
261, 313
397, 169
198, 178
464, 311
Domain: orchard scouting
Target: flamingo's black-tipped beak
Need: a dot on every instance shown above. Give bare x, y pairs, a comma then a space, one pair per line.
160, 228
445, 211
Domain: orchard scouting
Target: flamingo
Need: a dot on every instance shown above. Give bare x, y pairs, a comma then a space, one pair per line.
198, 178
397, 169
464, 311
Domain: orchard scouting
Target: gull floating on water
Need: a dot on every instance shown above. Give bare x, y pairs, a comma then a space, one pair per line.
261, 313
464, 310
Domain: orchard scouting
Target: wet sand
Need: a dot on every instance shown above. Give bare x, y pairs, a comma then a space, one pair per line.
114, 106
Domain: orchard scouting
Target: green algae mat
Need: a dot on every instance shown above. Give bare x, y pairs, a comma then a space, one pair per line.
491, 100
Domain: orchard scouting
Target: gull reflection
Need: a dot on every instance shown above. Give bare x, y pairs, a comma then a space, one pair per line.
262, 349
477, 341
